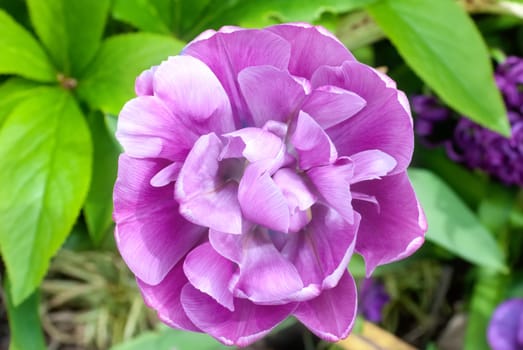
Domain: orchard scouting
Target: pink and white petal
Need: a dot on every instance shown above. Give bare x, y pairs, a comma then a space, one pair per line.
165, 299
312, 144
218, 210
194, 94
331, 315
294, 188
333, 183
167, 175
261, 200
241, 327
330, 105
150, 233
278, 98
227, 245
311, 47
382, 124
396, 228
228, 53
322, 251
259, 144
144, 83
266, 276
371, 165
147, 129
210, 273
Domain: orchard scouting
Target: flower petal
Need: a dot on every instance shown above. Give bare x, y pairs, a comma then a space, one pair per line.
144, 83
331, 315
205, 199
243, 326
210, 273
194, 94
333, 183
504, 330
382, 124
312, 144
322, 251
394, 231
331, 105
266, 277
261, 200
228, 53
147, 129
151, 236
312, 47
167, 175
371, 165
259, 144
278, 98
165, 299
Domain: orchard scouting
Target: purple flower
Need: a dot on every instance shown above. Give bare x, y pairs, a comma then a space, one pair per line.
256, 163
471, 144
373, 298
505, 330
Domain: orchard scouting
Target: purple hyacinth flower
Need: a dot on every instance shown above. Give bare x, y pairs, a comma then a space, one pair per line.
372, 298
255, 164
505, 330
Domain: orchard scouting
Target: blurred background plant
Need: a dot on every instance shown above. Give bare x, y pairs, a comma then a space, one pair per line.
68, 66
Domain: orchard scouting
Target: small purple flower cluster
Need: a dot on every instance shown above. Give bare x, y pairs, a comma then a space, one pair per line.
471, 144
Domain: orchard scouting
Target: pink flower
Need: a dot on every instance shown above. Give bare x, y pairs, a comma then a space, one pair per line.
256, 163
505, 329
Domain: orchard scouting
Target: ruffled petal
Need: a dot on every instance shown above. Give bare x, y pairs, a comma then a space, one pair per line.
227, 245
265, 275
205, 199
312, 47
312, 144
144, 83
331, 315
165, 299
261, 200
331, 105
371, 165
258, 144
167, 175
243, 326
396, 228
228, 53
210, 273
333, 183
194, 94
151, 236
382, 124
322, 251
278, 98
147, 129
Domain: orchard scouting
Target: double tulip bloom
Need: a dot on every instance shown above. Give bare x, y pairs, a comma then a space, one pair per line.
255, 164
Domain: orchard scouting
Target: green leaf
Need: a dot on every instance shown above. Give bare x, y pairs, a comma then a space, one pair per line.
98, 206
24, 322
21, 54
150, 15
108, 81
71, 30
46, 155
452, 225
441, 44
488, 293
14, 91
167, 339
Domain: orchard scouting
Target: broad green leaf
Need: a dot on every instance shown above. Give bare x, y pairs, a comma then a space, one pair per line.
71, 30
452, 225
24, 322
187, 18
108, 82
442, 45
98, 206
46, 155
488, 293
168, 339
14, 91
21, 54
